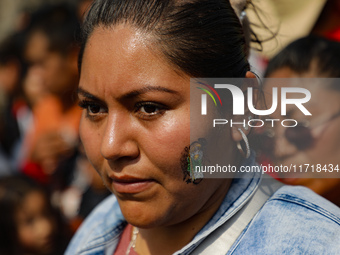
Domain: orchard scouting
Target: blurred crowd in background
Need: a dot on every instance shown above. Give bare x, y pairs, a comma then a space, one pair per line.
47, 186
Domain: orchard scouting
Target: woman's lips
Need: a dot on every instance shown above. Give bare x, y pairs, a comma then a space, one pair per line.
131, 185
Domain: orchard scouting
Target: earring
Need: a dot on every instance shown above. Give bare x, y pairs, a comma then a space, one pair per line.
239, 147
246, 127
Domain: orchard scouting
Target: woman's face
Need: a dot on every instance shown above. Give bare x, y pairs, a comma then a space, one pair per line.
135, 127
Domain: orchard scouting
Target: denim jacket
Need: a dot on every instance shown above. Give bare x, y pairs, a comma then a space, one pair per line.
294, 220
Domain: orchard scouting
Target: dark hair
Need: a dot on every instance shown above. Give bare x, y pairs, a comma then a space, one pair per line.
11, 48
305, 53
202, 38
59, 23
13, 191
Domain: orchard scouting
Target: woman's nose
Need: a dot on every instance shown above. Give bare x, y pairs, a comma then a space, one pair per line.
119, 138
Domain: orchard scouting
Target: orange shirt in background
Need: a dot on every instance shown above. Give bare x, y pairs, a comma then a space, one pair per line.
48, 116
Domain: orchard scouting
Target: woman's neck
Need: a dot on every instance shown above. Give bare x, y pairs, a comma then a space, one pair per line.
169, 239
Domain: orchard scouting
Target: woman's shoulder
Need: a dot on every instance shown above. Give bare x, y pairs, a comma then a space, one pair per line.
308, 200
293, 220
99, 229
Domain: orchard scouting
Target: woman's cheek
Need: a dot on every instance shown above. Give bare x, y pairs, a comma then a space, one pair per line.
172, 138
90, 138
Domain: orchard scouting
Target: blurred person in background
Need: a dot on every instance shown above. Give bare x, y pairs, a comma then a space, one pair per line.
54, 156
28, 223
316, 139
83, 193
51, 52
15, 115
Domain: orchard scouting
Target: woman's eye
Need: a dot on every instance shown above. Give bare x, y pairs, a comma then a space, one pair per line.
149, 109
92, 109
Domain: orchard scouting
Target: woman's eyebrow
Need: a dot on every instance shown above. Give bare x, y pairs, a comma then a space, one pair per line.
144, 90
87, 94
131, 94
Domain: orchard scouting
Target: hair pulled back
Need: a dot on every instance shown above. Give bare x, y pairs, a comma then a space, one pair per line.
202, 38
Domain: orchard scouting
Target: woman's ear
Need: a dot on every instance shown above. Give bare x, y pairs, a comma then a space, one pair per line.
250, 75
242, 120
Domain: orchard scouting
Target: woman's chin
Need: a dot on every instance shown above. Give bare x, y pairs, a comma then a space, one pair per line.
144, 223
141, 215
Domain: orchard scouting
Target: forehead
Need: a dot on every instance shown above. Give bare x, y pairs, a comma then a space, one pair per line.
125, 56
121, 42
